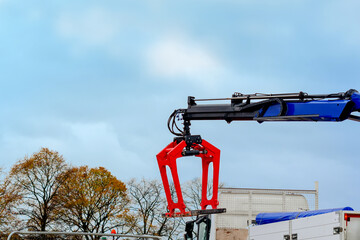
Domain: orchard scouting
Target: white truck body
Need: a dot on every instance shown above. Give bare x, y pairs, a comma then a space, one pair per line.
340, 225
243, 204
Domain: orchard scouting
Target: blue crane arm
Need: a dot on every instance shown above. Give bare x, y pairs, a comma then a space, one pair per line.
301, 106
314, 110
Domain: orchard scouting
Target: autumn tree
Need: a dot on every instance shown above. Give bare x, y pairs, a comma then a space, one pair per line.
93, 200
38, 178
148, 205
9, 197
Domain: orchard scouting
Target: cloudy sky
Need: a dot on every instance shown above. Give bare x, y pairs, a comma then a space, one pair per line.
97, 80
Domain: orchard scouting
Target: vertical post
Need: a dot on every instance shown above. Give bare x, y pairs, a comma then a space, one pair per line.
250, 206
283, 201
316, 195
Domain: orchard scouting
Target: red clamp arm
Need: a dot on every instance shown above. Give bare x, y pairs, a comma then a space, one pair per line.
167, 158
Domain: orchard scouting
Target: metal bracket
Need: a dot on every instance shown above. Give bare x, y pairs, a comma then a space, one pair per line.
207, 211
194, 213
337, 230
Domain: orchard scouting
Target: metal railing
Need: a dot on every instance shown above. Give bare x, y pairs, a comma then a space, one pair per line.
82, 234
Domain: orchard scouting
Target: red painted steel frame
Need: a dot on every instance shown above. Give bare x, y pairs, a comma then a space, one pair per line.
168, 157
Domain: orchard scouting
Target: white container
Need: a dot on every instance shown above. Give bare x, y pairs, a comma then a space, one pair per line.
340, 225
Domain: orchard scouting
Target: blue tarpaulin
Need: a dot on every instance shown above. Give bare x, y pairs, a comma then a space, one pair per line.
265, 218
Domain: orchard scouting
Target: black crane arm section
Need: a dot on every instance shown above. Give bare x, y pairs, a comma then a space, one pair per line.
268, 107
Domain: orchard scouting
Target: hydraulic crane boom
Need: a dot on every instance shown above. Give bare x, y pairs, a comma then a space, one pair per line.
242, 107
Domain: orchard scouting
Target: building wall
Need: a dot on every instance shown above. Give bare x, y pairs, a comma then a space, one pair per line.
231, 234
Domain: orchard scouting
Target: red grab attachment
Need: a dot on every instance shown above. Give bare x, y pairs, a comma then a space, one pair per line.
168, 156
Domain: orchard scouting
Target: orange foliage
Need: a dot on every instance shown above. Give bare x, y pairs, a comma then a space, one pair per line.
9, 197
93, 200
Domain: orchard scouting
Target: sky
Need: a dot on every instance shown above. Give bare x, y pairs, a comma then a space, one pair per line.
97, 80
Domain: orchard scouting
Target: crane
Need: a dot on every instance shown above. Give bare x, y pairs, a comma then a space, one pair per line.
335, 107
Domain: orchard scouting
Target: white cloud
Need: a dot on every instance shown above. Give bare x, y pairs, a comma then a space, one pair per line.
16, 146
92, 144
172, 58
93, 27
97, 144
